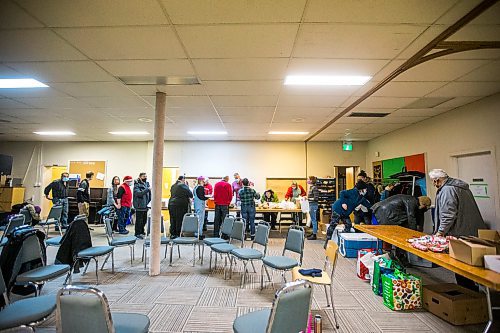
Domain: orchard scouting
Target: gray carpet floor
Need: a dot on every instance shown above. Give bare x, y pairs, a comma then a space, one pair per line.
193, 299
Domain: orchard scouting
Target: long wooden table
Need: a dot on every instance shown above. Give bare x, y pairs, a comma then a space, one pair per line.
398, 236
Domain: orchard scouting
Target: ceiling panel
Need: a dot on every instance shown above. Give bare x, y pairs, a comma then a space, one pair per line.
191, 112
241, 69
240, 41
419, 112
379, 128
227, 101
241, 111
304, 111
458, 101
408, 89
233, 11
305, 66
115, 102
300, 119
61, 13
464, 89
125, 42
62, 71
354, 120
52, 102
136, 113
171, 90
343, 127
271, 87
380, 11
440, 70
11, 16
356, 41
488, 72
35, 45
32, 92
394, 119
86, 89
324, 101
387, 102
252, 118
345, 91
477, 33
170, 67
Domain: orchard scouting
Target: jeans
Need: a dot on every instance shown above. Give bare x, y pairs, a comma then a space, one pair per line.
313, 210
220, 214
64, 214
200, 212
248, 213
123, 216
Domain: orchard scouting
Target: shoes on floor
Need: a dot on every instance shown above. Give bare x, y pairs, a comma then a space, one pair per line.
202, 237
124, 232
252, 238
312, 237
139, 236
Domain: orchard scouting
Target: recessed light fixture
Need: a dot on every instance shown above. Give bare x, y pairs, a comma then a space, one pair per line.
145, 120
55, 133
298, 120
287, 133
207, 132
129, 133
21, 83
326, 80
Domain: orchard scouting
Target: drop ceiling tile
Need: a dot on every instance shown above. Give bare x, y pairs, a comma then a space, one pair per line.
354, 120
115, 102
458, 101
343, 128
408, 89
311, 101
98, 89
482, 54
368, 11
191, 112
247, 119
477, 33
241, 69
348, 41
299, 119
240, 128
378, 128
6, 71
328, 137
228, 101
440, 70
393, 119
465, 89
241, 111
35, 45
304, 111
170, 67
233, 11
421, 41
52, 102
182, 101
136, 113
386, 102
307, 66
372, 110
32, 92
238, 41
344, 91
457, 11
11, 16
125, 42
146, 90
488, 72
241, 88
419, 112
60, 13
62, 71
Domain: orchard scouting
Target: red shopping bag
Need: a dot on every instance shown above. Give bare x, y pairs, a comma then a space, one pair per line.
361, 270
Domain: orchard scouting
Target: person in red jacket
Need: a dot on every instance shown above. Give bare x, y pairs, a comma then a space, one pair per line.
223, 194
123, 204
294, 191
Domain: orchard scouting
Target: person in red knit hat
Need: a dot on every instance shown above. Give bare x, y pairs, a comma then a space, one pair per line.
124, 203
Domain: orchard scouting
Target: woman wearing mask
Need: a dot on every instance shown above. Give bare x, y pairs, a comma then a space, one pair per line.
199, 203
111, 198
270, 196
312, 197
294, 192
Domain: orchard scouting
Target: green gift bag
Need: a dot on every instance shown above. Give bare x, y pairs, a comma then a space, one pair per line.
381, 267
402, 291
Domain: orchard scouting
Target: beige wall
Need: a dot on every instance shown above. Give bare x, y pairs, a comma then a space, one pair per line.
323, 156
472, 128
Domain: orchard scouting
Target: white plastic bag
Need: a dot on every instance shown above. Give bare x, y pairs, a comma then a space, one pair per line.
304, 205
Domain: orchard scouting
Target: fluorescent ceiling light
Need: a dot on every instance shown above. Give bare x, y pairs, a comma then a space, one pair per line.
207, 132
21, 83
287, 133
129, 133
326, 80
58, 133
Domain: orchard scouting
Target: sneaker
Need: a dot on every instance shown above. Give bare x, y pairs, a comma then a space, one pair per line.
252, 238
312, 237
139, 236
124, 232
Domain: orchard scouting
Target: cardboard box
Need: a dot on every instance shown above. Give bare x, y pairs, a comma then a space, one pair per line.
492, 263
470, 253
455, 304
491, 235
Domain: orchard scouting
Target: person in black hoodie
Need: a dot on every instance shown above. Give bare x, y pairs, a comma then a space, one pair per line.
359, 215
178, 205
142, 198
59, 188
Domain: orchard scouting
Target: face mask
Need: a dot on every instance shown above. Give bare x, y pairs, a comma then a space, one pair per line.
309, 182
144, 180
65, 179
129, 183
363, 192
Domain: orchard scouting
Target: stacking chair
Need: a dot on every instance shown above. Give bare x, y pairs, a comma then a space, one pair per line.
325, 279
289, 313
31, 252
250, 254
164, 240
14, 222
294, 243
27, 312
86, 309
27, 215
119, 241
53, 219
56, 241
225, 232
189, 229
237, 234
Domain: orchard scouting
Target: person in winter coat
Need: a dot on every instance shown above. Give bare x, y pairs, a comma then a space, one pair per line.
83, 194
223, 194
359, 215
294, 192
199, 198
313, 197
403, 210
178, 205
247, 197
270, 196
457, 213
142, 198
59, 188
123, 204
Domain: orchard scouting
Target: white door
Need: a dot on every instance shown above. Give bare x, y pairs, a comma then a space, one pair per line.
479, 172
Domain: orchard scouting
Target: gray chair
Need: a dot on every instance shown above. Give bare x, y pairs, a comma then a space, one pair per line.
53, 219
30, 252
224, 234
250, 254
289, 313
119, 241
14, 222
27, 312
164, 240
188, 236
84, 310
238, 235
294, 243
27, 215
56, 241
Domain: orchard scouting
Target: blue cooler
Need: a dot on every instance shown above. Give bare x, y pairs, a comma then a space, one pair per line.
350, 243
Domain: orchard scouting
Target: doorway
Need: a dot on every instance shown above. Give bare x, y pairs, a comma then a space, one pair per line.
478, 170
346, 177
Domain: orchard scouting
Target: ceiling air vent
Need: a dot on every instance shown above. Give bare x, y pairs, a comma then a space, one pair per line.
368, 114
159, 80
427, 102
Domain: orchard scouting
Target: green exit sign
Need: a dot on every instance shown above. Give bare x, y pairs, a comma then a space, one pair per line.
347, 146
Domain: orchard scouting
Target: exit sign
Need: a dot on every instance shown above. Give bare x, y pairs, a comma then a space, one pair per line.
346, 146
